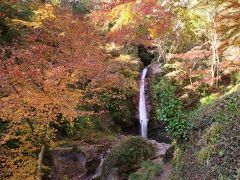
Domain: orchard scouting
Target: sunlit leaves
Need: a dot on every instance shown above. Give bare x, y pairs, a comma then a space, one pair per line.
136, 22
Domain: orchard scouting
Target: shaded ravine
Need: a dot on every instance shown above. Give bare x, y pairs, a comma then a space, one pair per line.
85, 161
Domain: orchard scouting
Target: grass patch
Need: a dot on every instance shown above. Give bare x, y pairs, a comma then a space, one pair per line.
148, 171
213, 148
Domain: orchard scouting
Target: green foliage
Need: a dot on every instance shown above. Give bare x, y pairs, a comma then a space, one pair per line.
88, 122
128, 156
3, 127
116, 102
205, 153
21, 11
13, 143
237, 77
223, 113
169, 109
208, 99
233, 106
148, 171
63, 127
178, 165
57, 2
10, 11
82, 8
67, 129
212, 151
191, 29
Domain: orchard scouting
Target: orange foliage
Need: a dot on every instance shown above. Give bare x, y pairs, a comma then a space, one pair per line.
59, 65
149, 21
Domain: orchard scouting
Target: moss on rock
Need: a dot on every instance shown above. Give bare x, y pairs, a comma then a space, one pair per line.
127, 156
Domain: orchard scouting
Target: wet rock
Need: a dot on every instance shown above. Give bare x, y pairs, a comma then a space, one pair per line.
78, 161
98, 171
68, 164
157, 131
164, 153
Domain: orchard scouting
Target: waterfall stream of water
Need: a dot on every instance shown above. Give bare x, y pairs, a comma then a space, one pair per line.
143, 117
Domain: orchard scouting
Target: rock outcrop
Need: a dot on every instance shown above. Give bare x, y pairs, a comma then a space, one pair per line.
77, 161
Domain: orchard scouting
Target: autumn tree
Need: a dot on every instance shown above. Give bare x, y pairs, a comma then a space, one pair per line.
58, 79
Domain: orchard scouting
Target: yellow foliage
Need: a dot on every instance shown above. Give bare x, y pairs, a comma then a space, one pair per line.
44, 13
41, 14
153, 33
123, 15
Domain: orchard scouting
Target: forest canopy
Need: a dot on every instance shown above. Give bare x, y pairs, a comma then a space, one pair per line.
72, 67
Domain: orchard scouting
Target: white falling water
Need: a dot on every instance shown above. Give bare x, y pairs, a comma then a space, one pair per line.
142, 105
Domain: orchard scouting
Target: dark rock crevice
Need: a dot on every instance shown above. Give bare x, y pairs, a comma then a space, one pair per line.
147, 54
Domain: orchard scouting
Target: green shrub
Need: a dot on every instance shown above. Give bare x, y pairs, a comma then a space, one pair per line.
82, 8
128, 156
13, 143
148, 171
62, 126
237, 77
213, 148
4, 125
118, 103
169, 109
115, 102
90, 122
208, 99
10, 11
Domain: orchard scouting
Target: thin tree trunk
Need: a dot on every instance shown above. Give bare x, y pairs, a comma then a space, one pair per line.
161, 51
191, 70
215, 58
14, 88
30, 124
214, 49
40, 159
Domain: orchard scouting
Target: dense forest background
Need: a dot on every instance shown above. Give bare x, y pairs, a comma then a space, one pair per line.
69, 71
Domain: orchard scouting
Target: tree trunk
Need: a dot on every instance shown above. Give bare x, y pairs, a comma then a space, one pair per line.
40, 159
214, 48
215, 58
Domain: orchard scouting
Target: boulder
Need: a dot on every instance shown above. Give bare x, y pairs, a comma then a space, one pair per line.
126, 157
161, 148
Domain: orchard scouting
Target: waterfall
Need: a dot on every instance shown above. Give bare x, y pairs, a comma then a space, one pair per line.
142, 105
